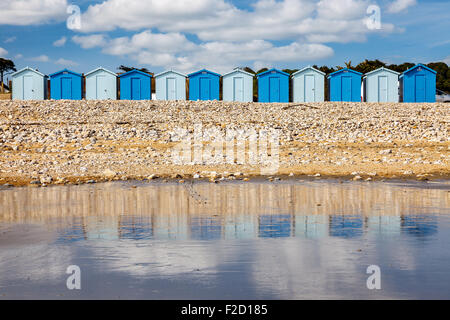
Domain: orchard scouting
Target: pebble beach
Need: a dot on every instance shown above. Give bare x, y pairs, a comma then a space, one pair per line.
72, 142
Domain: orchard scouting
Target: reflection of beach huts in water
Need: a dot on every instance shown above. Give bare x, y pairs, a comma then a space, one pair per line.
419, 226
135, 85
171, 227
418, 84
135, 227
74, 233
101, 84
241, 227
381, 85
29, 84
311, 226
346, 226
104, 228
66, 84
273, 86
206, 228
384, 225
345, 85
238, 86
308, 85
275, 226
170, 85
204, 85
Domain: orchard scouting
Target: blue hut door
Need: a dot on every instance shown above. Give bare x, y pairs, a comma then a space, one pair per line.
66, 88
382, 89
309, 88
28, 88
135, 89
205, 84
102, 91
238, 89
171, 89
420, 88
274, 89
346, 88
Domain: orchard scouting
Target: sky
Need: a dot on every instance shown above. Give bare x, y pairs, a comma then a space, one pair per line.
188, 35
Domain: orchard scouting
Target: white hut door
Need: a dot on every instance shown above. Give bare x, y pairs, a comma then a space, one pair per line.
28, 89
238, 89
102, 90
382, 89
171, 89
310, 88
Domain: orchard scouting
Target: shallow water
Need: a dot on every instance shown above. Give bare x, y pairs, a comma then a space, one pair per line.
258, 240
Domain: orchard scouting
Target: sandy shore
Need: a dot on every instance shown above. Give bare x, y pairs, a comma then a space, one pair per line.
59, 142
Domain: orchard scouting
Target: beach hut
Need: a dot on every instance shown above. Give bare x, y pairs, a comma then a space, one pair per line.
308, 85
238, 86
418, 84
170, 85
204, 85
381, 85
101, 84
135, 85
66, 84
29, 84
273, 86
345, 85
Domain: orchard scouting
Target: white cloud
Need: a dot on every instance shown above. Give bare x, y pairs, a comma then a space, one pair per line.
400, 5
3, 52
447, 60
10, 39
18, 56
29, 12
41, 58
65, 62
92, 41
60, 42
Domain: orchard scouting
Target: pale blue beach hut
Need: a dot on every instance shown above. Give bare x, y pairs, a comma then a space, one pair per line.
170, 85
29, 84
238, 86
101, 84
308, 85
381, 85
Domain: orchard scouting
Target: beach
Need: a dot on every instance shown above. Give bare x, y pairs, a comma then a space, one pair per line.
71, 142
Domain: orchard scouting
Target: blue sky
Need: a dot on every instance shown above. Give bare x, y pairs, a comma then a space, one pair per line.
219, 34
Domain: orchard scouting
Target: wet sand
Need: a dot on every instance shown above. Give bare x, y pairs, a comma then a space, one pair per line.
232, 240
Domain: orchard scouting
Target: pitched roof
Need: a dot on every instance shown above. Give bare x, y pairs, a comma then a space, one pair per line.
201, 71
306, 68
135, 71
170, 71
270, 71
417, 66
66, 70
238, 70
29, 69
381, 69
98, 69
345, 70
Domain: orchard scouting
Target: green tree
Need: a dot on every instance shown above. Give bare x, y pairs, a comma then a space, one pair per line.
5, 67
126, 69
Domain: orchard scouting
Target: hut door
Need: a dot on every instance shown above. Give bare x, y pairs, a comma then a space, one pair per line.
135, 89
382, 89
309, 88
346, 88
28, 91
205, 84
102, 91
171, 89
66, 88
274, 89
420, 88
238, 89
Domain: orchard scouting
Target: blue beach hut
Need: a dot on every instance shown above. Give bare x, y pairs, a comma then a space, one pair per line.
101, 84
308, 85
418, 84
204, 85
66, 84
345, 85
273, 86
238, 86
135, 85
29, 84
381, 85
170, 85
